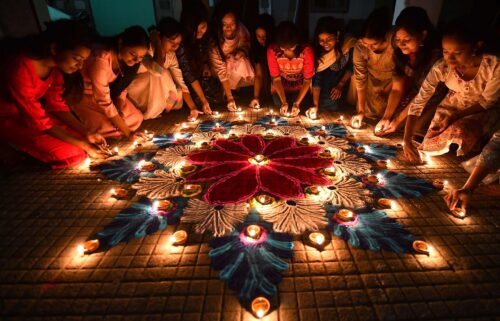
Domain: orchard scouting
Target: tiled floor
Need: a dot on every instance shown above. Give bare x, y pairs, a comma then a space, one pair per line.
44, 215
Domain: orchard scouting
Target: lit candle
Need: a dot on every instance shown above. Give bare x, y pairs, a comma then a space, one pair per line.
184, 125
381, 163
330, 171
87, 247
384, 202
345, 215
118, 192
259, 158
190, 190
312, 115
422, 247
216, 113
264, 199
116, 150
341, 117
134, 144
179, 237
253, 231
145, 166
356, 124
270, 111
239, 109
164, 205
192, 119
240, 117
360, 149
373, 179
438, 183
87, 162
288, 114
260, 306
317, 237
458, 212
314, 190
217, 125
323, 127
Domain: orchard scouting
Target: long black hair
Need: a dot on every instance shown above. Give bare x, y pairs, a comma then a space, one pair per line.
134, 36
191, 17
332, 26
377, 25
415, 21
169, 27
288, 35
265, 22
223, 9
468, 30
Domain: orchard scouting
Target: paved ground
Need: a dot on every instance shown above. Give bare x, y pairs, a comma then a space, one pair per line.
44, 215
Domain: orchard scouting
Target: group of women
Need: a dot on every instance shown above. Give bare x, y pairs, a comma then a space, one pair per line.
64, 92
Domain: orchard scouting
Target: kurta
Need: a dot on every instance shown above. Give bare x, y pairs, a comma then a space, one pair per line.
24, 120
239, 72
373, 72
97, 107
158, 87
292, 71
483, 89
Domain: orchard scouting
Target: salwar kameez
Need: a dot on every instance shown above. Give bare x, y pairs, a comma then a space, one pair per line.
24, 120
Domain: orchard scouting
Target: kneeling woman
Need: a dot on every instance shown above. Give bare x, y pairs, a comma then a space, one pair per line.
34, 116
470, 108
160, 85
291, 66
105, 107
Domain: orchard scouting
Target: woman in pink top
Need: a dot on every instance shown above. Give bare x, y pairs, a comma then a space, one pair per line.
105, 107
291, 65
34, 116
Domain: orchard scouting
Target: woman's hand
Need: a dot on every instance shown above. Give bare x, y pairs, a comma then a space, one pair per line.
284, 109
194, 113
254, 103
206, 108
357, 120
460, 195
312, 112
231, 105
336, 92
93, 152
442, 125
388, 129
411, 153
95, 138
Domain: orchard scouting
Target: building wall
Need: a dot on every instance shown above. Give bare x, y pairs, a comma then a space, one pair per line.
113, 16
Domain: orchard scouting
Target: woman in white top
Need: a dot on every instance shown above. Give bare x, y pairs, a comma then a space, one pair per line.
470, 108
160, 85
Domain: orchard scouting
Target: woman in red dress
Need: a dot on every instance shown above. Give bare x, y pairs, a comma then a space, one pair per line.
34, 116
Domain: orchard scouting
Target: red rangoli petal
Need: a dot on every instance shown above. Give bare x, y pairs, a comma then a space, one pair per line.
254, 143
298, 151
279, 185
279, 144
215, 156
233, 147
212, 172
234, 189
302, 175
304, 162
